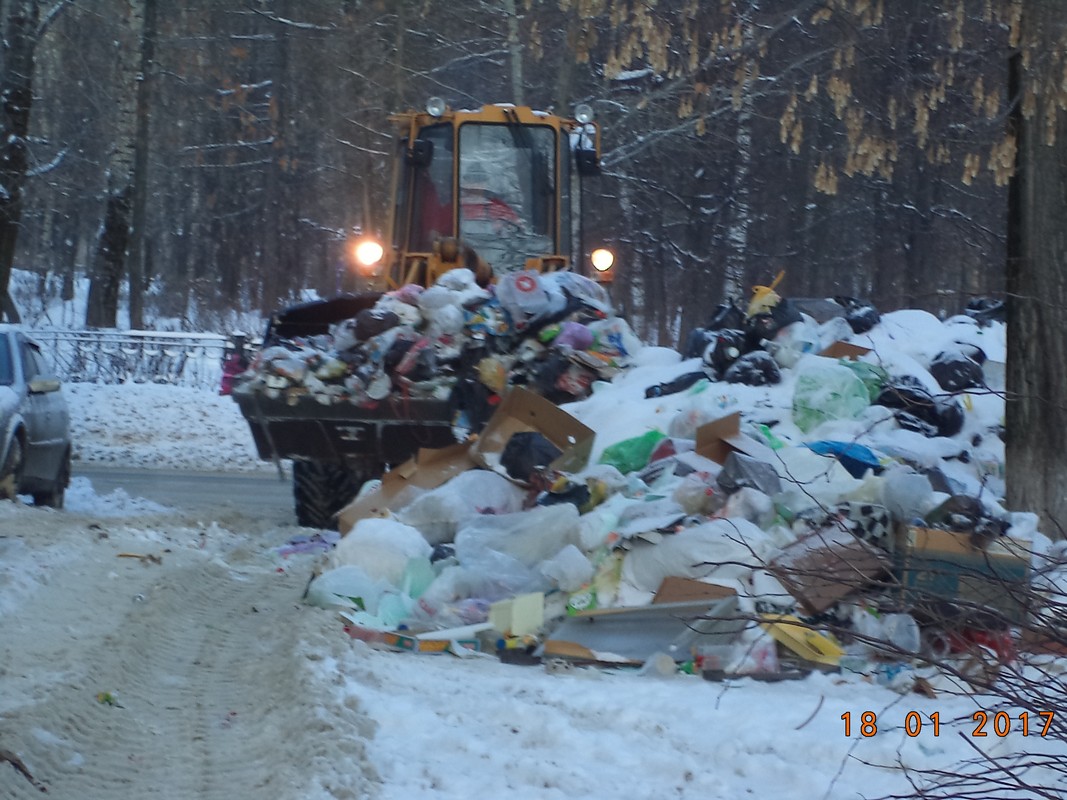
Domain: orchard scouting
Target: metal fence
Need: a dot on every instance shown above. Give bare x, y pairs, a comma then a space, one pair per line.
105, 356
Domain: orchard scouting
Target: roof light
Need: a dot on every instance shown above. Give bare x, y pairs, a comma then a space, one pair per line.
435, 106
583, 113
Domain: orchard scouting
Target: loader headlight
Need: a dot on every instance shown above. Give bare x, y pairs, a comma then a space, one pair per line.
368, 253
435, 106
583, 113
602, 259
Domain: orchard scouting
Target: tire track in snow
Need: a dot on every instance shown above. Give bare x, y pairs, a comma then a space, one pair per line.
212, 701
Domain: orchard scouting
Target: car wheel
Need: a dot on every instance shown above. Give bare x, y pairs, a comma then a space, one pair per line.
11, 472
54, 497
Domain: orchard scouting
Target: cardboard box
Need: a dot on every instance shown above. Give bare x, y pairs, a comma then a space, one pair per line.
720, 437
429, 469
630, 636
523, 410
845, 350
944, 573
827, 565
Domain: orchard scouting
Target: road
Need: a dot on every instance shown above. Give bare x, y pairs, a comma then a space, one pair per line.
255, 494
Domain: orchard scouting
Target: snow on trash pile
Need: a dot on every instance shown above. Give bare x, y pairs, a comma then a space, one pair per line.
808, 489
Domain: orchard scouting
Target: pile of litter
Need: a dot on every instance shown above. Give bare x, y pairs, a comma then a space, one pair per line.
554, 332
836, 504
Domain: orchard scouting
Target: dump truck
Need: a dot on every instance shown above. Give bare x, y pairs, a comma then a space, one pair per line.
495, 190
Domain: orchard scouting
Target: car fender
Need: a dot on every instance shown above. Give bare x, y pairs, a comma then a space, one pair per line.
12, 419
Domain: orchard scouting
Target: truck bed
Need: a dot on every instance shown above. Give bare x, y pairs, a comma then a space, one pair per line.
297, 426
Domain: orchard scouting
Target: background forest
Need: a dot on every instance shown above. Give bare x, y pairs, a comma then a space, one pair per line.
860, 145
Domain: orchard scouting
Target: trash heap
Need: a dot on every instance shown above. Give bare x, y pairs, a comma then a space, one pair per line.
846, 515
554, 332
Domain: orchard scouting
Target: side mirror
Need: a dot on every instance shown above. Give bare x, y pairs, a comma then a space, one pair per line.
43, 385
420, 153
587, 162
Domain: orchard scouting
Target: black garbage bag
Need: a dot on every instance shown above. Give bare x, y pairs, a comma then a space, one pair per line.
727, 315
728, 345
986, 310
860, 316
679, 384
954, 371
920, 410
473, 401
526, 453
577, 494
765, 325
697, 342
370, 323
757, 368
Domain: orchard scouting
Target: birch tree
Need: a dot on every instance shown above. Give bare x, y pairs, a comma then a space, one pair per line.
109, 259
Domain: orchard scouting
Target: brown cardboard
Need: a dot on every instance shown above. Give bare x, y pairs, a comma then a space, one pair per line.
841, 349
523, 410
686, 590
720, 437
825, 566
937, 565
428, 469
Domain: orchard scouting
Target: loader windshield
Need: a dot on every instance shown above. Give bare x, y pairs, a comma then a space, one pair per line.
507, 192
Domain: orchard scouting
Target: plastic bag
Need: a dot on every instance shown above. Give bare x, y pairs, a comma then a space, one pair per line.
630, 455
440, 512
348, 585
381, 547
570, 569
825, 391
529, 536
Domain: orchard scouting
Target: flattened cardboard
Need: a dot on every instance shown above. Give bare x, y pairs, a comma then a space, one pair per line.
523, 410
630, 636
720, 437
841, 349
428, 469
822, 567
445, 641
934, 564
688, 590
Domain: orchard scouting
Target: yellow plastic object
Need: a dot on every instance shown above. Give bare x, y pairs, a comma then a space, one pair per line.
801, 639
764, 298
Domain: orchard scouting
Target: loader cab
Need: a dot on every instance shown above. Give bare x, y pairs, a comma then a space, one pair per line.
496, 190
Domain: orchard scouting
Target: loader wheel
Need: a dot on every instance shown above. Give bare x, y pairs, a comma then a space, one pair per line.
321, 489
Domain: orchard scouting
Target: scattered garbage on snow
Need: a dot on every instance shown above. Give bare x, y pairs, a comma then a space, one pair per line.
813, 490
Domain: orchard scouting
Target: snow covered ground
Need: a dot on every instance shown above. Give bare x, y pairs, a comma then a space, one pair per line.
145, 652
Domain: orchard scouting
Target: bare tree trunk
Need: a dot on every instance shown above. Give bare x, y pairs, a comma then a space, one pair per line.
137, 259
515, 47
109, 260
1036, 447
16, 98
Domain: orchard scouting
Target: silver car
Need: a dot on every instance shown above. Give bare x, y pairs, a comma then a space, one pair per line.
34, 423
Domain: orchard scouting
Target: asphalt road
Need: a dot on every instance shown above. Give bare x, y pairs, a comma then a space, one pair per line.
262, 495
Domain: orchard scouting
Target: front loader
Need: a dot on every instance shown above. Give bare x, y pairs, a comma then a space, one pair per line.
495, 190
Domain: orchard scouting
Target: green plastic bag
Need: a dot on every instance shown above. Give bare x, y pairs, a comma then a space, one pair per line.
873, 376
826, 391
630, 455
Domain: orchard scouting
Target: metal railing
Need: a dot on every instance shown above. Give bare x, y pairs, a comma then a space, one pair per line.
109, 356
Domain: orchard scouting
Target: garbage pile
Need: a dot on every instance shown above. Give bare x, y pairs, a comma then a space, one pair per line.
554, 332
846, 515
